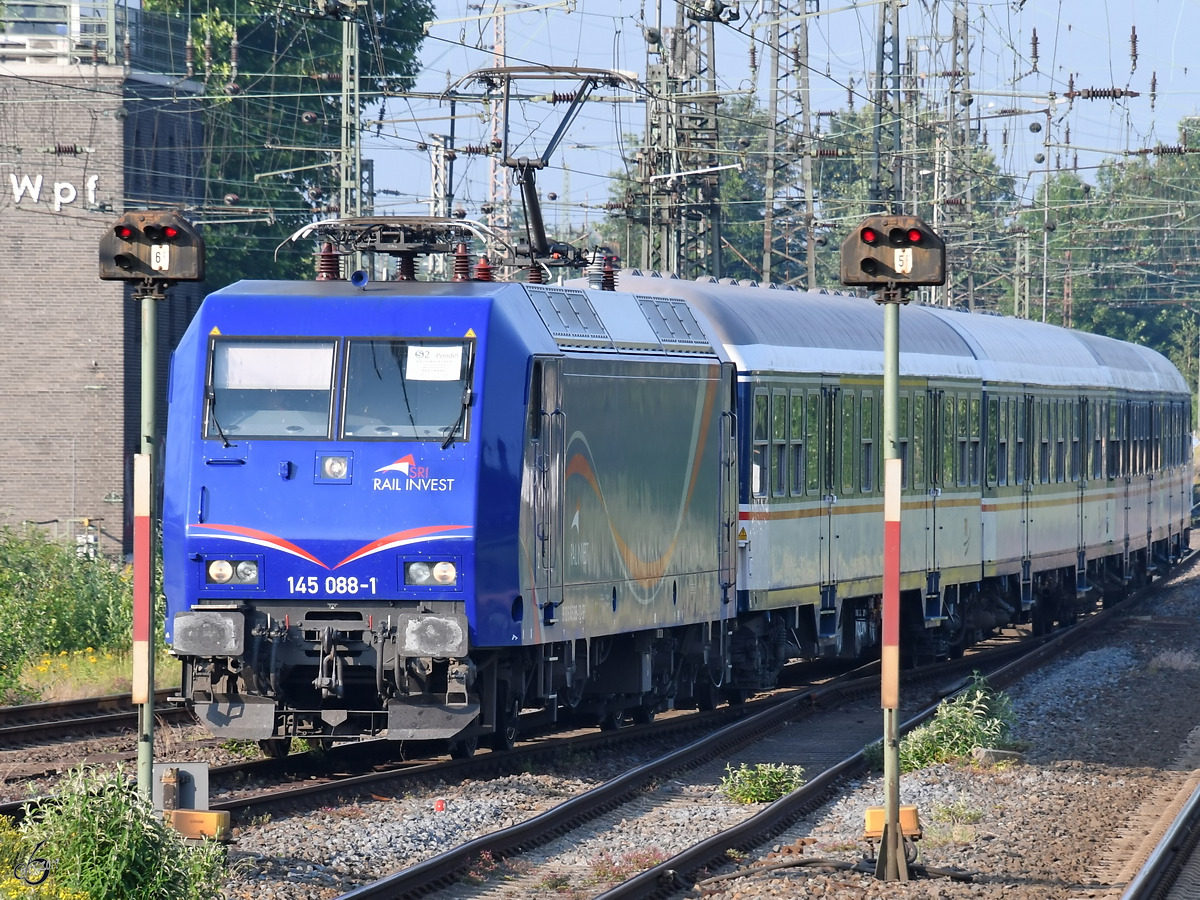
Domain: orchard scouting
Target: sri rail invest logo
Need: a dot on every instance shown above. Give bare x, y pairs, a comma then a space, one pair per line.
410, 477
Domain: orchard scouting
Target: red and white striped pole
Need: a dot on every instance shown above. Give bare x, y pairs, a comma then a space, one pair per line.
143, 617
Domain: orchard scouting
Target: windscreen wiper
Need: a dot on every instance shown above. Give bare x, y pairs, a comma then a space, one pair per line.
467, 396
212, 411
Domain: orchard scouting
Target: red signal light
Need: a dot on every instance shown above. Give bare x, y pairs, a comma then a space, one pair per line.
124, 232
870, 236
170, 232
914, 235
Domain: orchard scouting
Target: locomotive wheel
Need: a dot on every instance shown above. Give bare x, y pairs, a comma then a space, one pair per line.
643, 715
505, 735
275, 748
612, 720
464, 748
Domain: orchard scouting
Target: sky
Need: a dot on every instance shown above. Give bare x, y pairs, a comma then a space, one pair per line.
1089, 39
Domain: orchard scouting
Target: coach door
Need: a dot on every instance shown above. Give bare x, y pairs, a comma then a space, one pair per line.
935, 403
1027, 451
827, 552
728, 489
550, 432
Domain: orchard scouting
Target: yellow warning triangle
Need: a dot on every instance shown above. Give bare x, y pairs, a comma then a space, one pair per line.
470, 333
742, 535
215, 330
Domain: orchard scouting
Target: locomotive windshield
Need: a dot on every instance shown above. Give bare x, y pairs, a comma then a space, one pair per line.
408, 389
270, 389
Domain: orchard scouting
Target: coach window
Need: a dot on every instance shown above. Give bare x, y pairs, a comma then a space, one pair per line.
812, 430
1158, 434
269, 389
964, 422
1043, 440
1057, 441
973, 453
762, 432
1114, 444
847, 442
866, 459
1073, 408
1097, 416
993, 440
947, 440
903, 441
779, 426
918, 439
1021, 457
797, 435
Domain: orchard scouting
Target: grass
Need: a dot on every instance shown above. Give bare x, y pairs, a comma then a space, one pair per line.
89, 672
765, 783
103, 842
65, 622
977, 717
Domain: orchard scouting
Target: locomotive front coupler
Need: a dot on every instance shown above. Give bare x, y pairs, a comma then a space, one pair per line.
331, 672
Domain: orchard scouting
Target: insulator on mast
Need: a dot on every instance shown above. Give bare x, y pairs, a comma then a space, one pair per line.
1133, 48
1033, 50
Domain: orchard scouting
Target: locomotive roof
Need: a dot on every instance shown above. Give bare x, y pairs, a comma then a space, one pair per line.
808, 331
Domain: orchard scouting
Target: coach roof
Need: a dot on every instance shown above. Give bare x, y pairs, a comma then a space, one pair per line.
805, 331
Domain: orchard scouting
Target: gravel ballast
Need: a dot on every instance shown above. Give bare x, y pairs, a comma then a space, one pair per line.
1107, 731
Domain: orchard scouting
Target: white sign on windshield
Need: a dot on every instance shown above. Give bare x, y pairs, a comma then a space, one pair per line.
434, 363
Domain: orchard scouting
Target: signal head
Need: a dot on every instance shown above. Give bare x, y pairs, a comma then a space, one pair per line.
158, 233
870, 236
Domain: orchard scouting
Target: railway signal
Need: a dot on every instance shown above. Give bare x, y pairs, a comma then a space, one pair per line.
893, 250
154, 249
893, 254
152, 245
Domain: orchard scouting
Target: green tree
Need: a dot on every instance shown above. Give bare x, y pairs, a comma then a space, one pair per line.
273, 125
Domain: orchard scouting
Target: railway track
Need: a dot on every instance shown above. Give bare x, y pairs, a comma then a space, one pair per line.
70, 718
321, 776
1172, 872
678, 872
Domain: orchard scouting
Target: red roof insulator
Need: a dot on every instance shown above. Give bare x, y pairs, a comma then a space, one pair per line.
329, 264
608, 279
407, 268
483, 270
462, 263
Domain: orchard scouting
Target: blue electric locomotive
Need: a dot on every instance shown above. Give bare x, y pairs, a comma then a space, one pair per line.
365, 528
415, 509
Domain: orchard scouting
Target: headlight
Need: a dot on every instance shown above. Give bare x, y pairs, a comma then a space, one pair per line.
220, 571
417, 573
247, 571
334, 467
444, 573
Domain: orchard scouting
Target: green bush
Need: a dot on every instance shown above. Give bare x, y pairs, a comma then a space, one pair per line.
977, 717
109, 844
765, 783
52, 599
